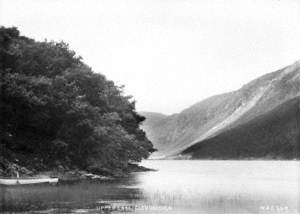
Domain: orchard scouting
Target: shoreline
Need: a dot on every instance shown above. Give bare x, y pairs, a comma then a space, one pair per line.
67, 176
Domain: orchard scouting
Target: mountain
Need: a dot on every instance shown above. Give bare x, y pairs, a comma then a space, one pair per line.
153, 118
210, 117
275, 134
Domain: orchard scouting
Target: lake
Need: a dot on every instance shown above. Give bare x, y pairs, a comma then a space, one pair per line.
178, 186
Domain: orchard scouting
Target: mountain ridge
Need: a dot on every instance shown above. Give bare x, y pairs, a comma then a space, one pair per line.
274, 135
218, 113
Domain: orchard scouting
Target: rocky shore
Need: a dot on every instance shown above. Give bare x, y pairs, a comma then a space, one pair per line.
66, 175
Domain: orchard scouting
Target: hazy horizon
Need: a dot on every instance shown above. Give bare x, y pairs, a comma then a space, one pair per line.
168, 54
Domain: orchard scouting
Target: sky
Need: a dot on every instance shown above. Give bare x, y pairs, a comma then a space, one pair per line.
169, 54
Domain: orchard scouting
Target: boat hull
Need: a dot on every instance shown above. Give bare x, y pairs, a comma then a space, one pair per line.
9, 182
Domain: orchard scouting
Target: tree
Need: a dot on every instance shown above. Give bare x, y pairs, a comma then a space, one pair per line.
56, 110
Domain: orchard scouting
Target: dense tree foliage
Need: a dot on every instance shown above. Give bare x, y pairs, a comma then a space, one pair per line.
56, 111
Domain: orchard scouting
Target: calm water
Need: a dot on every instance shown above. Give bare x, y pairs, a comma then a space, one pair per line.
179, 186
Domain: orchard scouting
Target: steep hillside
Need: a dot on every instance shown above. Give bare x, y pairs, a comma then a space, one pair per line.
153, 118
205, 119
275, 134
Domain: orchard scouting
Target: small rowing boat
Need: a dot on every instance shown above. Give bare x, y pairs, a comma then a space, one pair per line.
28, 180
21, 181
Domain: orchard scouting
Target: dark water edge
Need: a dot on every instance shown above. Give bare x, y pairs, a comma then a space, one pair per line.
71, 193
62, 197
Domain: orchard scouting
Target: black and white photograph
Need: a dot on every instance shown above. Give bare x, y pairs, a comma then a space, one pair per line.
150, 106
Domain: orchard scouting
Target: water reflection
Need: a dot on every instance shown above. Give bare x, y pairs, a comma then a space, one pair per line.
177, 187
